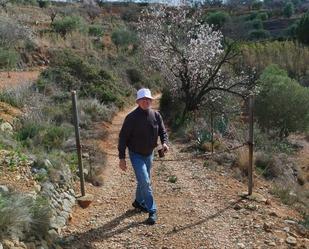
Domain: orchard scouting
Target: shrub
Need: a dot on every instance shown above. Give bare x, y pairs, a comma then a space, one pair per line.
21, 213
43, 3
130, 14
257, 24
66, 25
123, 37
282, 104
258, 34
256, 4
262, 16
285, 194
134, 75
69, 71
217, 19
95, 30
47, 135
288, 9
17, 97
8, 58
12, 32
96, 110
303, 29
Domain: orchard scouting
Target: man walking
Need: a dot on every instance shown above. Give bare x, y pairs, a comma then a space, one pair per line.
140, 132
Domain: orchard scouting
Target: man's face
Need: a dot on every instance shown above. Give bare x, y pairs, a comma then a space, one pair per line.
144, 103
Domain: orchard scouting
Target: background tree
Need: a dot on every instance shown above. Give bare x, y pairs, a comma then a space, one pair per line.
303, 29
288, 10
217, 19
191, 56
282, 105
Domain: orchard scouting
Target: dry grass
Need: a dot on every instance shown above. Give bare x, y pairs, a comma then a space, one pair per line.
242, 159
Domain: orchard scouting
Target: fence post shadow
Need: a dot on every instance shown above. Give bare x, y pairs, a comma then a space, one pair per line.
204, 220
107, 230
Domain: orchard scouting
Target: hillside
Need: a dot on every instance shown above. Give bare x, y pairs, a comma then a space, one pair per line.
49, 49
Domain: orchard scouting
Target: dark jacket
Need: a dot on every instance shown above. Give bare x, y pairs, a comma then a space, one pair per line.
140, 132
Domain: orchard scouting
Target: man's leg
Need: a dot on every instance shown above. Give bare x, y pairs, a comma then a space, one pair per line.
143, 180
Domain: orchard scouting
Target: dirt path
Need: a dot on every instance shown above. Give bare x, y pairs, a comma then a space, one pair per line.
200, 210
18, 78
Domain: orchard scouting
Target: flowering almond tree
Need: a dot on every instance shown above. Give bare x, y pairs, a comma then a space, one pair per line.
191, 56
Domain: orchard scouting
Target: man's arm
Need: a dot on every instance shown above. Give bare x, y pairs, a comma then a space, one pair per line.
162, 131
123, 138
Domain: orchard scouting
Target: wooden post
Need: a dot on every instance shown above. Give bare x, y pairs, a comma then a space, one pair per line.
78, 144
212, 131
250, 145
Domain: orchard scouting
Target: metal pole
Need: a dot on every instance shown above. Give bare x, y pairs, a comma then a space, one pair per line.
78, 145
250, 144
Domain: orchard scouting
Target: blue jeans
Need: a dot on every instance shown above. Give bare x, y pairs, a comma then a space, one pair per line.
142, 167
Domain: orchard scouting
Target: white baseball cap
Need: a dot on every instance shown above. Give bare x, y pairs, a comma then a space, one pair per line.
143, 93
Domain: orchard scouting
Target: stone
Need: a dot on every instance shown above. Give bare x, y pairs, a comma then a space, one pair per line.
1, 246
4, 189
6, 127
286, 229
85, 201
291, 240
267, 227
52, 234
292, 222
7, 244
67, 205
57, 222
48, 164
241, 245
31, 245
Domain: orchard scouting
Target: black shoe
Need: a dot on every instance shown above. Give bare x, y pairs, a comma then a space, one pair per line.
137, 205
152, 219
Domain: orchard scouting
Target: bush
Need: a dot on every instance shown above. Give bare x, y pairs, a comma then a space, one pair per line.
262, 16
47, 135
217, 19
66, 25
123, 37
258, 34
16, 97
134, 75
130, 14
8, 58
69, 71
20, 213
282, 105
43, 3
288, 9
12, 33
303, 29
95, 30
96, 110
257, 24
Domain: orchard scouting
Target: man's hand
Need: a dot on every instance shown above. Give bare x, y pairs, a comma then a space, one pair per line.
123, 164
165, 147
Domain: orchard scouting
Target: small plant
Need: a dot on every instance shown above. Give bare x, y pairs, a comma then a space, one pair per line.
123, 37
43, 3
172, 179
95, 30
285, 194
21, 213
259, 34
66, 25
16, 97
